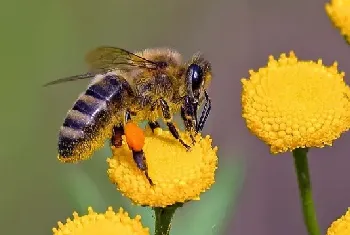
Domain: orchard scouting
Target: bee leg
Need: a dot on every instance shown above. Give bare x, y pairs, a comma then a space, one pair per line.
140, 160
118, 132
189, 115
205, 112
153, 125
127, 116
167, 116
188, 125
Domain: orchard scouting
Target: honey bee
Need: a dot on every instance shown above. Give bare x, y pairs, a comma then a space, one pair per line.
141, 86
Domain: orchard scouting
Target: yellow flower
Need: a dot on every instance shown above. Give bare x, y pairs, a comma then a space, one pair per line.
341, 226
178, 175
339, 13
101, 224
290, 104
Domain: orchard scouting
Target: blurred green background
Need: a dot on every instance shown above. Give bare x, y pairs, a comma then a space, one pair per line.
45, 40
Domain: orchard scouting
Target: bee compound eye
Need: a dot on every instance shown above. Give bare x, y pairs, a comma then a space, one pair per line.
195, 73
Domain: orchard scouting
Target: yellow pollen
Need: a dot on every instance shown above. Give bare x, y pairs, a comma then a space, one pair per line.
178, 175
290, 104
339, 13
341, 226
103, 224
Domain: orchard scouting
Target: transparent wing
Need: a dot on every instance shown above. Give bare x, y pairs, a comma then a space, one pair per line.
71, 78
106, 58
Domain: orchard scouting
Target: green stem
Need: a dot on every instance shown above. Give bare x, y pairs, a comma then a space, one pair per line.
304, 182
164, 216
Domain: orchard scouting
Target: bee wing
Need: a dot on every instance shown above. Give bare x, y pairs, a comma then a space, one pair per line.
105, 58
71, 78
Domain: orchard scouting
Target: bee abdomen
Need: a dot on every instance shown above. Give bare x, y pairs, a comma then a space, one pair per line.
107, 88
71, 133
66, 146
85, 107
89, 114
79, 122
98, 92
75, 130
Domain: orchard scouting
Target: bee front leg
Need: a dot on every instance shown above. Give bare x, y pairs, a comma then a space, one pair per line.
168, 119
189, 115
205, 112
189, 126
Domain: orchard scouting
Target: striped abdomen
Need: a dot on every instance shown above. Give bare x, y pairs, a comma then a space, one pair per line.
88, 123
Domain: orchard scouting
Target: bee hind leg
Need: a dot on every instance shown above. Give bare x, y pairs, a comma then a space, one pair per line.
138, 155
168, 118
118, 132
140, 160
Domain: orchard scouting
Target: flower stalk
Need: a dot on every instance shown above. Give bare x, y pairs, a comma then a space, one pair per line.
304, 182
164, 216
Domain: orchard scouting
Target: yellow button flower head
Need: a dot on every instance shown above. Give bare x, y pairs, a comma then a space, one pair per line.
102, 224
178, 175
339, 13
341, 226
295, 104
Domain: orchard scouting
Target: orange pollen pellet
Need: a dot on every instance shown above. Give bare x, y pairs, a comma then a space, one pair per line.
135, 136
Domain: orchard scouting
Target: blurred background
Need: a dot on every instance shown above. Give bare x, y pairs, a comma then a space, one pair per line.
255, 193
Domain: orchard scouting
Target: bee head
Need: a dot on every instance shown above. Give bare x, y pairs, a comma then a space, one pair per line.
198, 77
